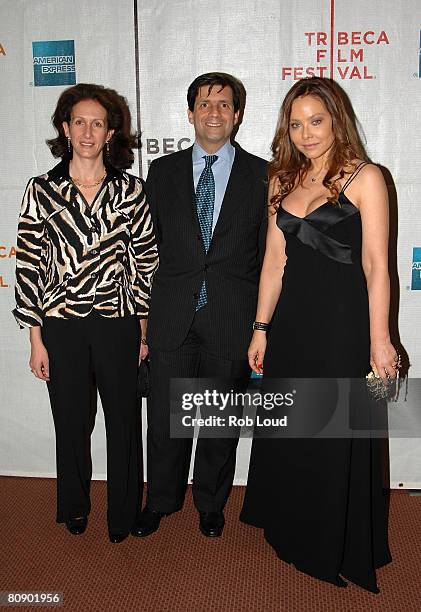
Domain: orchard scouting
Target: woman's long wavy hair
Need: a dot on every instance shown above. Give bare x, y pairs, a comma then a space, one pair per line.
118, 119
290, 165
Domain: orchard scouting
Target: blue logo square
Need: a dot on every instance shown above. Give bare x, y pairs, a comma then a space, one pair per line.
54, 62
416, 268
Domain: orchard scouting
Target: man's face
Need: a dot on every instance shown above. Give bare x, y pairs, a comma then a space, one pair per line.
213, 117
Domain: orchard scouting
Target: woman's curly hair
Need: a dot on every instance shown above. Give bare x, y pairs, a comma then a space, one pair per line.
118, 119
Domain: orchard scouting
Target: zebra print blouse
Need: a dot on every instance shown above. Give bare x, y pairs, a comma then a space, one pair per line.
72, 258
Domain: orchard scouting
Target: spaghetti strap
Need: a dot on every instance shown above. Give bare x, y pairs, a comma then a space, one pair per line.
353, 175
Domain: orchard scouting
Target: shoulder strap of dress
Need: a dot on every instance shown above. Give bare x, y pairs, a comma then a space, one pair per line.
353, 175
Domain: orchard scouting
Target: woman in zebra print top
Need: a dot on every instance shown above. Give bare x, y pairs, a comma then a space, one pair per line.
85, 262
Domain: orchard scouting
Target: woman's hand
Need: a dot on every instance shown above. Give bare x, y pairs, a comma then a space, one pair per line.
384, 359
144, 350
256, 352
39, 362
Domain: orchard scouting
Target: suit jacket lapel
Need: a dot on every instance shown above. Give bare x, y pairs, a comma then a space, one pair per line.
238, 188
184, 185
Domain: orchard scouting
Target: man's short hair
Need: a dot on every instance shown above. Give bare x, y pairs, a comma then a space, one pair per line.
211, 79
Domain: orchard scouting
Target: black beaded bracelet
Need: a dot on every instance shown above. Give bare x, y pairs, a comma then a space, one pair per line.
261, 326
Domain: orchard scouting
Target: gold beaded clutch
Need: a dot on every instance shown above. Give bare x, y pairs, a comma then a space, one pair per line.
380, 389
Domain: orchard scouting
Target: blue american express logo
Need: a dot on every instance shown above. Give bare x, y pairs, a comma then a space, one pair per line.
54, 62
416, 268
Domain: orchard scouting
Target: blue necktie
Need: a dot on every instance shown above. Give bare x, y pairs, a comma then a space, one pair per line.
205, 201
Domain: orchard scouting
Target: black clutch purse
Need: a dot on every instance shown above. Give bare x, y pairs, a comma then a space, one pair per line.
143, 379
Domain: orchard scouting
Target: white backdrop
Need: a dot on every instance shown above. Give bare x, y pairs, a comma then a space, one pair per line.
372, 49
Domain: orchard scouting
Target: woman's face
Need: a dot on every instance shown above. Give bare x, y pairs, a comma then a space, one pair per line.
87, 129
310, 127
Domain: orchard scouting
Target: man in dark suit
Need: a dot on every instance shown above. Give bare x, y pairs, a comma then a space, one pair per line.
208, 204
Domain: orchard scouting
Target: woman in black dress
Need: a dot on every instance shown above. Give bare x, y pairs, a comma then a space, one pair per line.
325, 290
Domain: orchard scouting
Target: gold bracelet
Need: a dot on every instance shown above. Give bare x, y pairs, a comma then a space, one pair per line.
143, 341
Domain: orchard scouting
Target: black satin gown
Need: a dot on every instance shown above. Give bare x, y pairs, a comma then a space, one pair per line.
323, 503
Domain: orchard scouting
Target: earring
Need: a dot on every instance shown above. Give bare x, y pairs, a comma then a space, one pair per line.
107, 148
69, 144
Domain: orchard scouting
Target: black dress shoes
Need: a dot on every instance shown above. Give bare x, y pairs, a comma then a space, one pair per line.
147, 523
116, 538
77, 526
211, 524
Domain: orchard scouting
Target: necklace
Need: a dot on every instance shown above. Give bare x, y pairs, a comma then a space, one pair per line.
313, 179
79, 184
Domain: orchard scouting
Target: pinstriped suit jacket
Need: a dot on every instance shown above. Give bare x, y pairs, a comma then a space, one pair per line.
231, 266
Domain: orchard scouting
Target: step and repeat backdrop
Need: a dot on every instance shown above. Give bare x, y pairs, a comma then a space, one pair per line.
150, 51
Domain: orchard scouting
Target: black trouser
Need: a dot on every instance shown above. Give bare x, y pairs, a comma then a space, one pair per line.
108, 349
169, 459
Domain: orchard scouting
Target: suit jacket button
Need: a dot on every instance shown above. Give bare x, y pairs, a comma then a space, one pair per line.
199, 237
196, 296
205, 267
